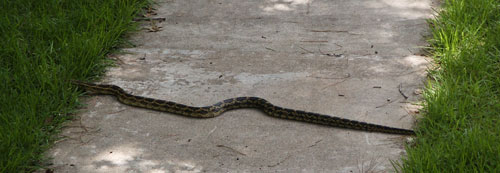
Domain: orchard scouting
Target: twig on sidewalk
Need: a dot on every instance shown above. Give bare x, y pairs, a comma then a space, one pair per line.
401, 91
270, 49
385, 104
308, 51
314, 41
231, 149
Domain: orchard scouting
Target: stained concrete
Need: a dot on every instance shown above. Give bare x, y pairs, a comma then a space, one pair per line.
345, 58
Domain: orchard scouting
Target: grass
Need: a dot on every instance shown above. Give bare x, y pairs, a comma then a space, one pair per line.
460, 129
44, 44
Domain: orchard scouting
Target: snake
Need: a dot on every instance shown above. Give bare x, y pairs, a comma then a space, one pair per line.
235, 103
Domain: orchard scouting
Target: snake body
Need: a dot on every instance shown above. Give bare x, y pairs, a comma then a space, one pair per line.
236, 103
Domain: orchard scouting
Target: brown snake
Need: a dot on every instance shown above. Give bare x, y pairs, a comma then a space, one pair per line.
236, 103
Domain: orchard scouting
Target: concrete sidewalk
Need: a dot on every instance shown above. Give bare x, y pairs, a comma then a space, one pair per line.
349, 58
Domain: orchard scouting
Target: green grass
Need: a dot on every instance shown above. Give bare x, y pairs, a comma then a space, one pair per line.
460, 129
44, 43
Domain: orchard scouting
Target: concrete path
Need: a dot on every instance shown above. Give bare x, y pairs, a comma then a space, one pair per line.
345, 58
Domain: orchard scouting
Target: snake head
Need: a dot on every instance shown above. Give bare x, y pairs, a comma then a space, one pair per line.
98, 88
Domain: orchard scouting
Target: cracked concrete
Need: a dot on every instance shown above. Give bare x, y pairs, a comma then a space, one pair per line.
344, 58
